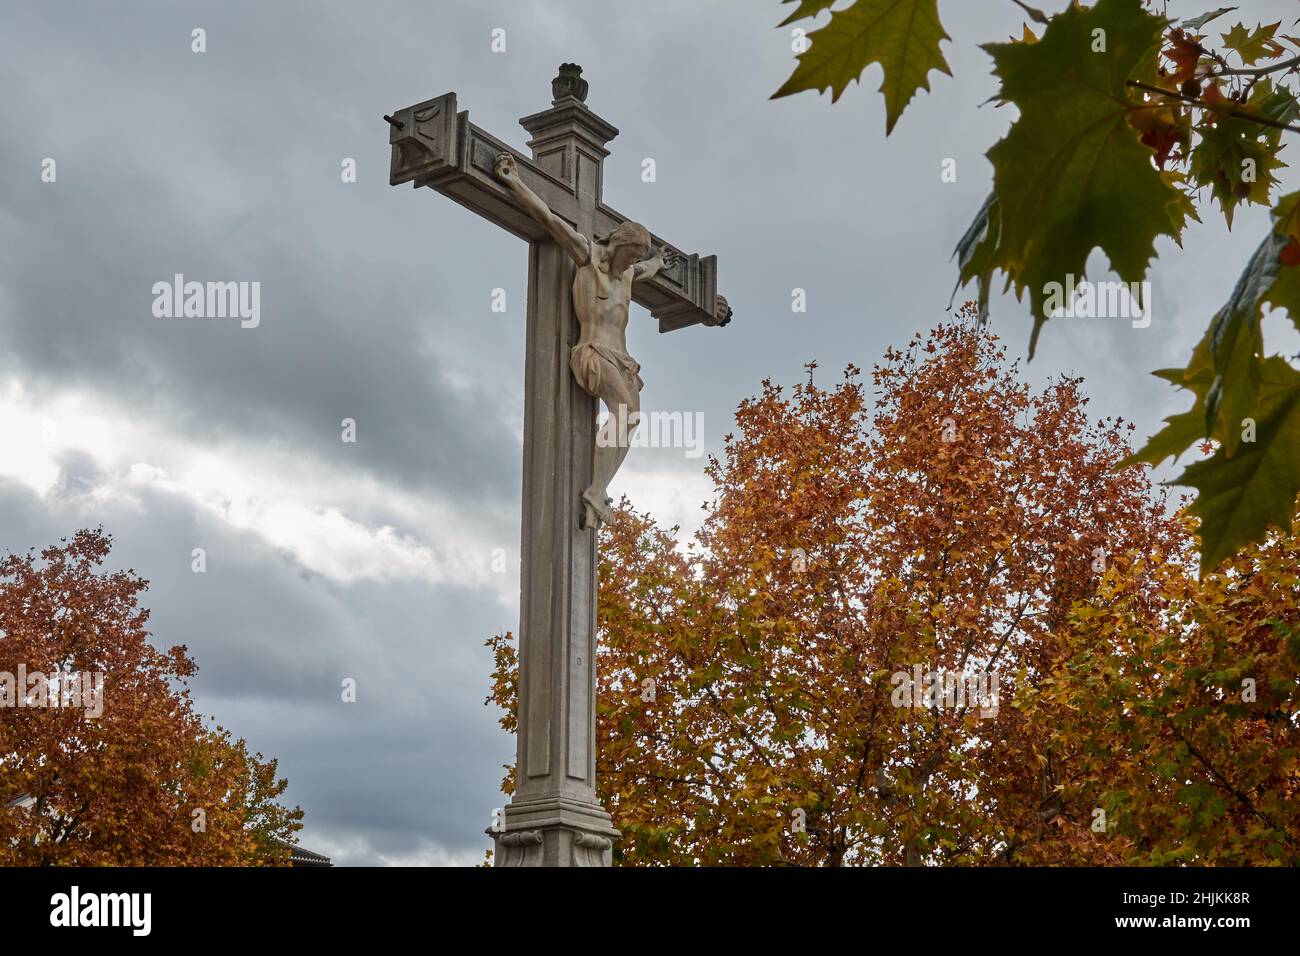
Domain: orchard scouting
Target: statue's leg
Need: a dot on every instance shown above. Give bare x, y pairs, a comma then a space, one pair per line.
615, 392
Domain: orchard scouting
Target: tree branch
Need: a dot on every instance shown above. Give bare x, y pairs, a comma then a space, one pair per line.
1230, 110
1225, 70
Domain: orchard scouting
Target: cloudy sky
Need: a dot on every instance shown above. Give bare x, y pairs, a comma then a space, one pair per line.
374, 559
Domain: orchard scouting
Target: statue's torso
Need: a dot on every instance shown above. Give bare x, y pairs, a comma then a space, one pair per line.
601, 302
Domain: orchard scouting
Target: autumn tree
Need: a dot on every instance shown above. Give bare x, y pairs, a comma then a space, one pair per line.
133, 776
1173, 714
753, 699
1129, 123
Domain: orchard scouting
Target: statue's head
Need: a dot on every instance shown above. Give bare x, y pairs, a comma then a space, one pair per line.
628, 244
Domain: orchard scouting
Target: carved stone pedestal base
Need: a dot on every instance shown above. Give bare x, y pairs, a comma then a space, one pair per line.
554, 831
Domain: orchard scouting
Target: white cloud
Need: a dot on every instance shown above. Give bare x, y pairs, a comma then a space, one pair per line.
671, 494
305, 508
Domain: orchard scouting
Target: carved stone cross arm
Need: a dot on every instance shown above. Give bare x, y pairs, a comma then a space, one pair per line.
433, 145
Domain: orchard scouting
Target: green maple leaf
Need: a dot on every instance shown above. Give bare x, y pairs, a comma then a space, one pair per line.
1252, 45
1238, 497
1220, 160
1247, 485
1236, 341
903, 36
1275, 103
1236, 157
1286, 217
1072, 175
1195, 23
974, 253
1184, 429
1285, 292
1225, 369
806, 8
1179, 433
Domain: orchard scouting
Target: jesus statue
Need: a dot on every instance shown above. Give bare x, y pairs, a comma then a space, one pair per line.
602, 293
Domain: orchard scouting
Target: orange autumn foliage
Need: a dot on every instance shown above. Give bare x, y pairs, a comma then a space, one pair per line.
1173, 714
123, 787
749, 708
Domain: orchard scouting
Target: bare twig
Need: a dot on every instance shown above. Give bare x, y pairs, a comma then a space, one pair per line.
1225, 70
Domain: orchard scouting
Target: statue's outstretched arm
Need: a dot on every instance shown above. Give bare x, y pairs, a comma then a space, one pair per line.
571, 241
650, 268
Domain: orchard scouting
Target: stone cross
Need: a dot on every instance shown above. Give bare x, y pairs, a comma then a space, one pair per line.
554, 817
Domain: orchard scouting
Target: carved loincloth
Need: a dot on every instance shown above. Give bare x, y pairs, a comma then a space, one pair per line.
584, 361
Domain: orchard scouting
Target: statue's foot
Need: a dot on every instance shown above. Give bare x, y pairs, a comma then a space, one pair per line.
595, 509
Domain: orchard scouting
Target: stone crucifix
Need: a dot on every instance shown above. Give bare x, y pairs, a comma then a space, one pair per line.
586, 264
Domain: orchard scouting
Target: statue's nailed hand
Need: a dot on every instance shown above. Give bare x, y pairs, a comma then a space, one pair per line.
668, 257
506, 168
